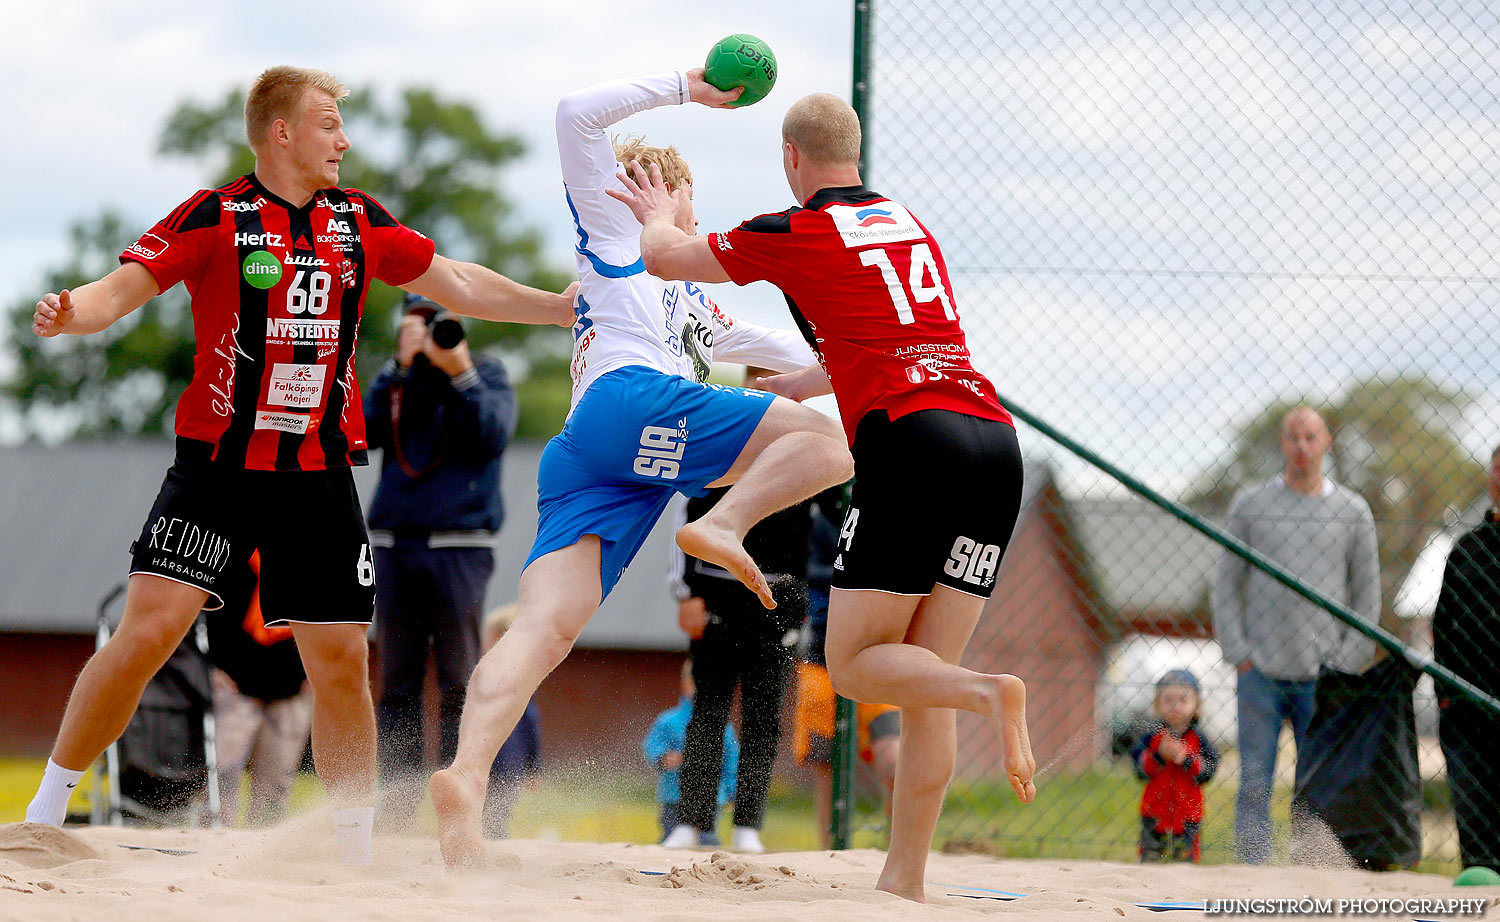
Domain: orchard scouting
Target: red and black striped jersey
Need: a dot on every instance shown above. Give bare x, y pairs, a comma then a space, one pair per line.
869, 290
277, 293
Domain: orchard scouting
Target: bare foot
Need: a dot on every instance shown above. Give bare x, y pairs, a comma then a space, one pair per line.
917, 895
1009, 715
705, 540
458, 803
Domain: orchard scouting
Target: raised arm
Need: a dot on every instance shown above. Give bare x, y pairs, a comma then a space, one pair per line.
584, 116
93, 307
475, 291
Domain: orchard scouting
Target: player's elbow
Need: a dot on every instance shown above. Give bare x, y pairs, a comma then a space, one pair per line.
572, 113
659, 262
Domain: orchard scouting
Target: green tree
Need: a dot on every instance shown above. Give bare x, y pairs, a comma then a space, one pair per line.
431, 162
1393, 443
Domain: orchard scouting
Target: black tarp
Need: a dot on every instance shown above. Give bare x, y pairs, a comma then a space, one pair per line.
1358, 773
163, 763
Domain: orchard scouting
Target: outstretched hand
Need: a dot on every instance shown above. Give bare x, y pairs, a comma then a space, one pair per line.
701, 91
811, 381
646, 194
566, 315
53, 312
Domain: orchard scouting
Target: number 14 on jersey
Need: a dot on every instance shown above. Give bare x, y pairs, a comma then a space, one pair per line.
923, 266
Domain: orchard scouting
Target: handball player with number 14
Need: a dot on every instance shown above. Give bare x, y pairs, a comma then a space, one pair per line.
936, 465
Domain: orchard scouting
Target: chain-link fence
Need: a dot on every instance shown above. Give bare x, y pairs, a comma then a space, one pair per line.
1167, 226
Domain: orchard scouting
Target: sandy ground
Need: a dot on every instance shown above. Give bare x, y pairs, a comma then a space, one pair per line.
288, 873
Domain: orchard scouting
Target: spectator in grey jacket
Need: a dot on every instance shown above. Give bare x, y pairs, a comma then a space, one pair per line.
1325, 535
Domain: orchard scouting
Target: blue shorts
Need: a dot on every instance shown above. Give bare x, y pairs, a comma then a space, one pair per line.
637, 436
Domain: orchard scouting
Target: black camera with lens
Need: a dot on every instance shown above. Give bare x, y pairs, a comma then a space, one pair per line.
446, 329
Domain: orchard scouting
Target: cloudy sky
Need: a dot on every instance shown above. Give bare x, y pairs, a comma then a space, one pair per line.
1160, 217
91, 84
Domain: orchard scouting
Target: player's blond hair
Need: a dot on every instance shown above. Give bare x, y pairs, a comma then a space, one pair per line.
278, 93
674, 169
824, 128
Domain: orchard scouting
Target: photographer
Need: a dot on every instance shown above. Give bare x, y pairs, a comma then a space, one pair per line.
442, 418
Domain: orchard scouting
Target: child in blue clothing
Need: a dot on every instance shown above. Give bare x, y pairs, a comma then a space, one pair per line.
663, 748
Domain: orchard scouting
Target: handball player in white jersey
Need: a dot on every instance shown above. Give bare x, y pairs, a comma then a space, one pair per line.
642, 427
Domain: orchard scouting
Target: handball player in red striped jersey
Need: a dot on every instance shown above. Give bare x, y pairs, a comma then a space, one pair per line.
278, 264
936, 465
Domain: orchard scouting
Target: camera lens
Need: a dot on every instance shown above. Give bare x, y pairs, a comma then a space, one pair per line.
447, 332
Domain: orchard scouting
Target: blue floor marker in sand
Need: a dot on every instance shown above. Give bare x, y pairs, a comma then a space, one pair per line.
974, 893
978, 893
1167, 905
164, 851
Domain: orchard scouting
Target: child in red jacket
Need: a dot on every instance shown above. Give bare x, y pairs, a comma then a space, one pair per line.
1174, 759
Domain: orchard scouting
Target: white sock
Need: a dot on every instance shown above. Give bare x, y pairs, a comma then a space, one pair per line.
352, 828
50, 805
746, 839
682, 836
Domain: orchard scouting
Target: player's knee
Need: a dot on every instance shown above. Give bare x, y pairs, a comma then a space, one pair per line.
844, 466
844, 683
141, 652
556, 643
147, 640
340, 666
546, 641
821, 423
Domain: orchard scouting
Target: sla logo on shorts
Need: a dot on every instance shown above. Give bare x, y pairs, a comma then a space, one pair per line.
972, 562
261, 270
294, 385
661, 451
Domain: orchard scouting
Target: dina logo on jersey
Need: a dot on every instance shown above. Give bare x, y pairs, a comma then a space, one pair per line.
869, 217
261, 270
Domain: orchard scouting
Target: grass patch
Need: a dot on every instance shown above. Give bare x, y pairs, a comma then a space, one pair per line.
1093, 814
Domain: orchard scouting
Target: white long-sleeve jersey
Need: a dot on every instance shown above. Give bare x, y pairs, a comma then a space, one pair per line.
625, 316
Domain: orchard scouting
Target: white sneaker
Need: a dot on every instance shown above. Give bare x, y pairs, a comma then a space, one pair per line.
684, 836
746, 839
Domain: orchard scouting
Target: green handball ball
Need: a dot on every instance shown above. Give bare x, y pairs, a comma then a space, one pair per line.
1477, 877
741, 60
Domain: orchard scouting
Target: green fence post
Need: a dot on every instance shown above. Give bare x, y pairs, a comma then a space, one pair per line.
860, 97
842, 816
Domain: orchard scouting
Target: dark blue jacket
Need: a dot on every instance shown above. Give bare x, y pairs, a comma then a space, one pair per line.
452, 432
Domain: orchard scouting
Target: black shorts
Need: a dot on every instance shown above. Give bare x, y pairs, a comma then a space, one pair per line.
936, 495
315, 562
